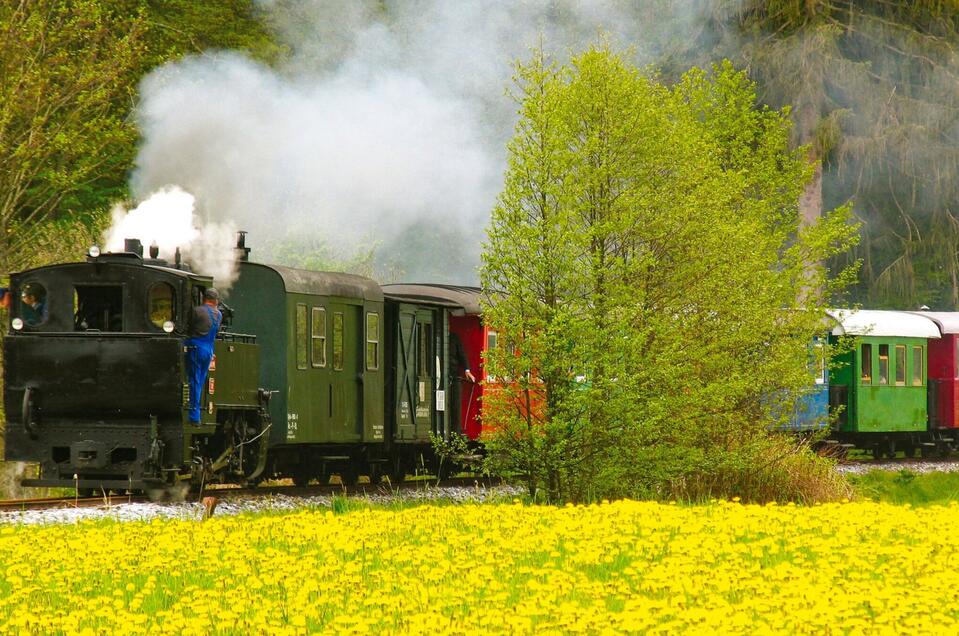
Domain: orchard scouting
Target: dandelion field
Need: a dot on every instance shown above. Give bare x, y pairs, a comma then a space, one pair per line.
620, 567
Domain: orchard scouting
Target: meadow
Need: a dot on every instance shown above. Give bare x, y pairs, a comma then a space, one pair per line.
621, 567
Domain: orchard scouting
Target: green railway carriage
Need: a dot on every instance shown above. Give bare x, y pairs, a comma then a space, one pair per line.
320, 335
878, 389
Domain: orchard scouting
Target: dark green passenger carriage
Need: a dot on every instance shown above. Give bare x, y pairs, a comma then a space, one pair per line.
879, 387
322, 356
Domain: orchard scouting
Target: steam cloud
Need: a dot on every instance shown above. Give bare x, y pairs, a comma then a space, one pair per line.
385, 127
166, 218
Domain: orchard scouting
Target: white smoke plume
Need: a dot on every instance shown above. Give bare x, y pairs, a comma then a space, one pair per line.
166, 218
385, 127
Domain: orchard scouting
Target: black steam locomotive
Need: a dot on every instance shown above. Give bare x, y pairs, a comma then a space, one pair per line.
314, 374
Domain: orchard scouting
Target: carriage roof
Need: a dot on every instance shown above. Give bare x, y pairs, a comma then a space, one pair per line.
872, 322
460, 297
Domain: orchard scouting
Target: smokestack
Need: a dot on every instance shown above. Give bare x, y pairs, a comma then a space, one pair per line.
244, 251
154, 250
177, 259
133, 246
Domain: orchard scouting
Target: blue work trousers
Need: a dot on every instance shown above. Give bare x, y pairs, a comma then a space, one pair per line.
198, 356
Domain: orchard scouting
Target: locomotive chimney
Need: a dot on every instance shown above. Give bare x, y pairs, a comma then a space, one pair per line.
154, 250
177, 259
244, 251
134, 246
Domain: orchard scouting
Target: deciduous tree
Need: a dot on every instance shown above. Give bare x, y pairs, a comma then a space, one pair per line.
652, 289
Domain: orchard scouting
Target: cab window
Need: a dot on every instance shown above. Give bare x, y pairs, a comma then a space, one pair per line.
33, 304
98, 308
161, 303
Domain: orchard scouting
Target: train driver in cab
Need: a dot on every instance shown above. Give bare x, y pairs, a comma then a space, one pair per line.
204, 324
34, 304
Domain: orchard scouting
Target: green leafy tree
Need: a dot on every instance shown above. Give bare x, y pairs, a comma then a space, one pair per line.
71, 69
66, 69
653, 292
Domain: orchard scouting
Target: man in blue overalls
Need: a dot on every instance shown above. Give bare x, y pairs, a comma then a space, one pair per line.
204, 323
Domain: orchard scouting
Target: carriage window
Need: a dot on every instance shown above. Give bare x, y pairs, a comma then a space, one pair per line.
337, 341
98, 308
900, 365
490, 340
319, 337
372, 341
917, 366
883, 364
33, 304
160, 303
865, 373
301, 336
819, 351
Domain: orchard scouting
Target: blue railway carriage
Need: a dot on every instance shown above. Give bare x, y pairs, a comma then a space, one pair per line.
879, 387
811, 411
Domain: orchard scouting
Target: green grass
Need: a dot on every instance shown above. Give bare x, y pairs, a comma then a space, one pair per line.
907, 487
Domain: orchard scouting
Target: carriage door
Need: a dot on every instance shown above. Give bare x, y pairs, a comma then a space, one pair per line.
346, 393
426, 369
415, 373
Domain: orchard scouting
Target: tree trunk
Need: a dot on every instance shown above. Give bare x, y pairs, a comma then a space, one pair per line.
810, 205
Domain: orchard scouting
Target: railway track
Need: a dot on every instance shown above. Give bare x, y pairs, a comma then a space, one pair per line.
68, 502
232, 492
916, 465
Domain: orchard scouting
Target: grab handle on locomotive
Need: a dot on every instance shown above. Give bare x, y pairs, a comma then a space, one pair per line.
264, 395
27, 411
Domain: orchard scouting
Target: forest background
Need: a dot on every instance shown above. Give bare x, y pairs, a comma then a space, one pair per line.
872, 88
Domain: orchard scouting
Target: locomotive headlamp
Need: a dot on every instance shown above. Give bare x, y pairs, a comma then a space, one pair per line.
168, 326
17, 323
94, 251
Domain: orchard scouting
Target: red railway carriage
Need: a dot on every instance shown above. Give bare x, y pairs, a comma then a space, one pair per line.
943, 371
465, 321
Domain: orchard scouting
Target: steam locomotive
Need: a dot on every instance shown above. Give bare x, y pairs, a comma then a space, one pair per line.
314, 374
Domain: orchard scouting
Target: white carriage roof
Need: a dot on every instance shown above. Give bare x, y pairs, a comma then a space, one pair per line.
872, 322
947, 321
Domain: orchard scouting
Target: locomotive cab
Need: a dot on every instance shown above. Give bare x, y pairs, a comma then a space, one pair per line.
115, 294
